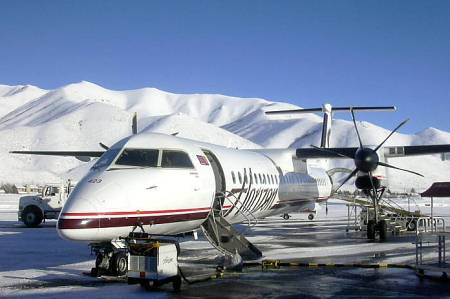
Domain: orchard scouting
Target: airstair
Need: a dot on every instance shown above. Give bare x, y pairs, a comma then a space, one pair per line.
221, 234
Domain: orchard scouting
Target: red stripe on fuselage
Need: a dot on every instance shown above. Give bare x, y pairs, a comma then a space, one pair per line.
83, 223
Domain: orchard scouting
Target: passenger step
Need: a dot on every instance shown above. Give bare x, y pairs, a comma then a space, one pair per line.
227, 240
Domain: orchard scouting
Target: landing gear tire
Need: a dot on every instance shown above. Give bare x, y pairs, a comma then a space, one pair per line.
411, 225
382, 225
371, 230
286, 216
311, 216
32, 216
119, 264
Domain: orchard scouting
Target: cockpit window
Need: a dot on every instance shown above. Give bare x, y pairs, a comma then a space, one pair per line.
138, 157
175, 159
106, 158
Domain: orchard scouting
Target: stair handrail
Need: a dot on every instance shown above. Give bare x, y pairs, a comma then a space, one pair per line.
223, 195
392, 204
241, 208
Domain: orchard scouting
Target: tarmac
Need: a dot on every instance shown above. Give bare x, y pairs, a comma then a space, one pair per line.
36, 263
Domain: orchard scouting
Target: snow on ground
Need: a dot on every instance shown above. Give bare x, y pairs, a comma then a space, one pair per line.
36, 263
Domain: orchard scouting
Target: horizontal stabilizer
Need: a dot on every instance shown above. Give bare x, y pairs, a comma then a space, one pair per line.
61, 153
334, 109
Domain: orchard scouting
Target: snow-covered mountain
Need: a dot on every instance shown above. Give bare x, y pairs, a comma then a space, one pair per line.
79, 116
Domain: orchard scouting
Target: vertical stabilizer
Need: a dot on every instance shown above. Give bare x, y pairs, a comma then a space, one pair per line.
134, 124
326, 125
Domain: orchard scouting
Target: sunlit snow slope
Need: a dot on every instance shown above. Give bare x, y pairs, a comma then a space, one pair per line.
79, 116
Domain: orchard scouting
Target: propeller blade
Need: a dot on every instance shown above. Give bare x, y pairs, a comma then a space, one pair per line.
354, 172
356, 128
390, 134
327, 150
398, 168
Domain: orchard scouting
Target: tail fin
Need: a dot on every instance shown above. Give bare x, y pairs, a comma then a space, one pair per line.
326, 125
327, 111
134, 124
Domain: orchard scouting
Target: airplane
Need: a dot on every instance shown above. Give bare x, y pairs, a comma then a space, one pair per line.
167, 185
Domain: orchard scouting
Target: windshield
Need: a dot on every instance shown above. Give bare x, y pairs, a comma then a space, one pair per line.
175, 159
106, 158
139, 157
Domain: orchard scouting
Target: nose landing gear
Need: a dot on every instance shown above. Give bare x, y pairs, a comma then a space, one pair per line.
110, 260
376, 224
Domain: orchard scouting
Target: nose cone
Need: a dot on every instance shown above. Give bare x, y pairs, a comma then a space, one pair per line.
79, 220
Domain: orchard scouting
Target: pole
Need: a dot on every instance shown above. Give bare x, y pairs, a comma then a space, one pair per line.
432, 220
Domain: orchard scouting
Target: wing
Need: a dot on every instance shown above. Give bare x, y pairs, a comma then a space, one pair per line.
389, 151
415, 150
62, 153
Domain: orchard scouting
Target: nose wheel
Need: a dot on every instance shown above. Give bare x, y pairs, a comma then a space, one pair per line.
109, 261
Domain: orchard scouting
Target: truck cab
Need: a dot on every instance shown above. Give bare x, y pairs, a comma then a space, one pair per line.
33, 209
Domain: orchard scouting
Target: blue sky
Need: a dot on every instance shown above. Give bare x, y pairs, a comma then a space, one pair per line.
302, 52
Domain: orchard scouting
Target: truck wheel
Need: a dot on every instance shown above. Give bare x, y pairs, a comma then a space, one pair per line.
311, 216
411, 225
119, 263
286, 216
32, 216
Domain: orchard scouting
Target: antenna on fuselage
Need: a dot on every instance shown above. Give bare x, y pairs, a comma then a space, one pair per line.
328, 111
134, 124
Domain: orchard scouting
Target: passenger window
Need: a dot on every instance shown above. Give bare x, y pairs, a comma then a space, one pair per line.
175, 159
256, 178
138, 157
240, 178
260, 178
233, 177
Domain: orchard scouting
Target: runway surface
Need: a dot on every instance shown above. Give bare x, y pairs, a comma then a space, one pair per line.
36, 263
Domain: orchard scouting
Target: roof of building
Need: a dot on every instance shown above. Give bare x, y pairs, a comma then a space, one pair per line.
438, 189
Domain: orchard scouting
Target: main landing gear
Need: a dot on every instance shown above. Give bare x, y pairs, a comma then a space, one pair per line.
373, 227
376, 224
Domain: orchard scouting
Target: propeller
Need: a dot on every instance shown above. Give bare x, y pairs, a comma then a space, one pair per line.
366, 159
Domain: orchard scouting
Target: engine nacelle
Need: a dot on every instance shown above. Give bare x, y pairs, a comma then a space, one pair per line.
363, 183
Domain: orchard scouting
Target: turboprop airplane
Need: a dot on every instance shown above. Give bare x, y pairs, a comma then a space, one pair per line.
168, 185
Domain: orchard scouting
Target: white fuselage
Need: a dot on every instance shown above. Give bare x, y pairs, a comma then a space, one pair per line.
176, 193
